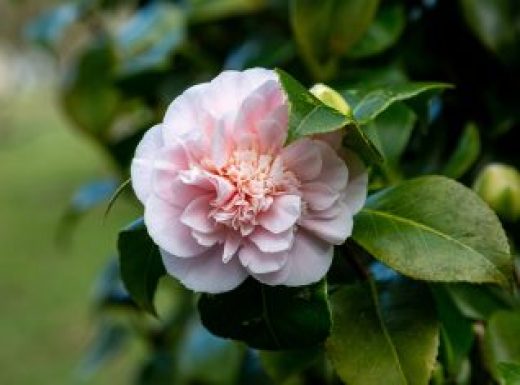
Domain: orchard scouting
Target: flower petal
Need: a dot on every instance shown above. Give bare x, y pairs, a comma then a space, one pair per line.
142, 169
356, 191
269, 242
282, 214
319, 196
258, 262
205, 272
231, 245
308, 260
165, 228
334, 230
334, 172
303, 157
196, 215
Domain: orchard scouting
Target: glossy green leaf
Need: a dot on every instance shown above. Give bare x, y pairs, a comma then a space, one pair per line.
307, 114
384, 32
386, 335
282, 366
465, 154
375, 102
149, 38
269, 317
141, 264
207, 10
327, 29
502, 342
207, 359
391, 131
509, 373
433, 228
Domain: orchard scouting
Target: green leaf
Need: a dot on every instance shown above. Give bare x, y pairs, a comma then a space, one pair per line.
207, 10
391, 131
456, 331
88, 96
479, 302
433, 228
502, 340
207, 359
375, 102
326, 30
266, 317
307, 114
359, 141
384, 32
141, 264
284, 365
495, 23
149, 38
387, 334
465, 154
509, 373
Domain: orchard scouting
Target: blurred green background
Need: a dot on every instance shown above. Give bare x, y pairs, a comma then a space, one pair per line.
45, 285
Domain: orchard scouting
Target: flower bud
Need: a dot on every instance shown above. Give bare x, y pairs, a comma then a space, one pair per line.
331, 98
499, 186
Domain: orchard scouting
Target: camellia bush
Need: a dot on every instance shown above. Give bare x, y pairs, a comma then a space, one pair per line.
330, 189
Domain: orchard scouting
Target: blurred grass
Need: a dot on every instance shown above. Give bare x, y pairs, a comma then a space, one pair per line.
46, 322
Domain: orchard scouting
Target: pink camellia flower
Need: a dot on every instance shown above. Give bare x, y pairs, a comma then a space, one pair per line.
224, 199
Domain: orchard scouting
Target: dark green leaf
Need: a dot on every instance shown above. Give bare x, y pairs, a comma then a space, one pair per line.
89, 98
509, 373
434, 229
357, 139
207, 10
269, 317
465, 154
283, 365
391, 130
502, 342
386, 335
141, 264
307, 114
148, 39
456, 331
207, 359
383, 32
327, 29
495, 23
479, 302
374, 102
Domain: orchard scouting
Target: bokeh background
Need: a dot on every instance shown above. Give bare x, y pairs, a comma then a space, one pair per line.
46, 283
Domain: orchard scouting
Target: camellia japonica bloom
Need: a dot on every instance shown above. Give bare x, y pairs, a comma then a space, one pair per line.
224, 199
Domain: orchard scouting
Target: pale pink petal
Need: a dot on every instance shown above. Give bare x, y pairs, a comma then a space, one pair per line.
303, 158
272, 131
231, 245
333, 139
202, 179
356, 191
205, 272
308, 261
142, 169
197, 215
282, 215
319, 196
275, 277
333, 230
165, 228
258, 262
169, 161
269, 242
334, 173
210, 239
